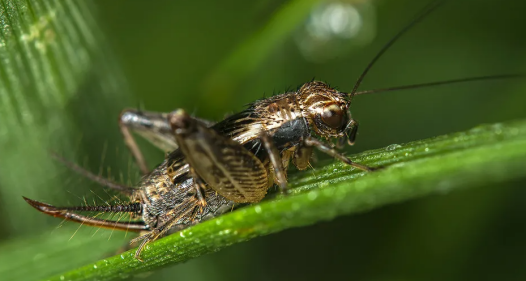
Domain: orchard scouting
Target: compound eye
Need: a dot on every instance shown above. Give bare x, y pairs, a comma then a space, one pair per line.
333, 116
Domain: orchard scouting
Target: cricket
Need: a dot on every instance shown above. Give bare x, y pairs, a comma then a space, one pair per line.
212, 168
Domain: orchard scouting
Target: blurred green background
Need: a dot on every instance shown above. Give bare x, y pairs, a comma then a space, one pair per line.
80, 63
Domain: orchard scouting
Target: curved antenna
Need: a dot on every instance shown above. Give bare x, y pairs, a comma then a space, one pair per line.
425, 11
445, 82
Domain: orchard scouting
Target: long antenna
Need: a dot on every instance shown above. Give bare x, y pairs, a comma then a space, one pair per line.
445, 82
425, 11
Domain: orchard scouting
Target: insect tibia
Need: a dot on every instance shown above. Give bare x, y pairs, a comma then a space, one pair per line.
68, 214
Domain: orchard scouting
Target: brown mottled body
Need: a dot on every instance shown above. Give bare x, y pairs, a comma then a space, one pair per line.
288, 119
214, 167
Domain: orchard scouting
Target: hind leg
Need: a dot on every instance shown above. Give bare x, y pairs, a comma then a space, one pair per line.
154, 127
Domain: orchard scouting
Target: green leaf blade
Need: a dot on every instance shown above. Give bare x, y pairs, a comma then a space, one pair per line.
483, 156
50, 52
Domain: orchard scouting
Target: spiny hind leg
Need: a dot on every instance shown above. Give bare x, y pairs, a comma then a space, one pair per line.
149, 237
154, 235
329, 150
186, 211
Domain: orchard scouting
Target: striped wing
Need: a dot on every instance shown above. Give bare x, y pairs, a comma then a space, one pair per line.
225, 165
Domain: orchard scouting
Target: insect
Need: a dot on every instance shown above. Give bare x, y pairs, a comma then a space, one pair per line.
213, 167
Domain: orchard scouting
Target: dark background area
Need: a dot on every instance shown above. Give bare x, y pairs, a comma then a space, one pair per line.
173, 55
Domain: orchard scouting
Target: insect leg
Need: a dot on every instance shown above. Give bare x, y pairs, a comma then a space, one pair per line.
198, 185
154, 127
276, 162
326, 148
302, 156
151, 125
68, 213
130, 119
183, 211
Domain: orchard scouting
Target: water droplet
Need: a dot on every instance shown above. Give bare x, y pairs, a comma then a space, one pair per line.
257, 209
332, 25
181, 234
122, 256
427, 149
323, 184
124, 275
392, 147
223, 232
95, 266
478, 128
295, 206
497, 128
62, 277
313, 195
219, 221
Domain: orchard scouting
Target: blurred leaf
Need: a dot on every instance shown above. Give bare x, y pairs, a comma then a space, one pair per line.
50, 253
486, 155
254, 50
52, 61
